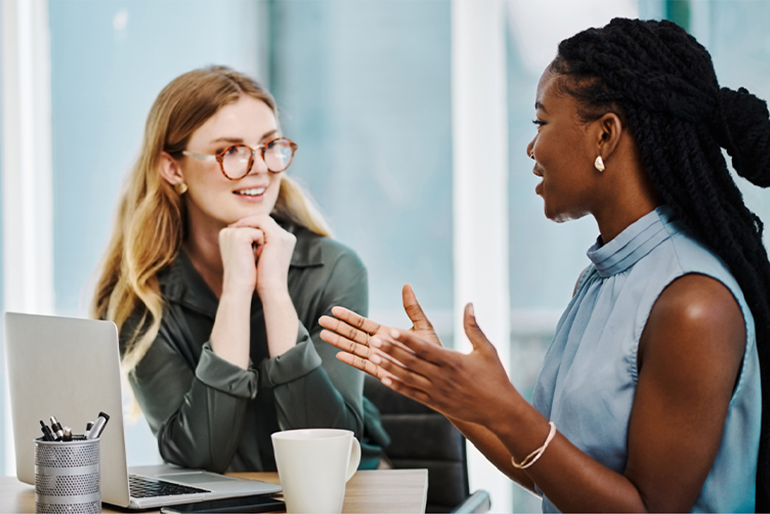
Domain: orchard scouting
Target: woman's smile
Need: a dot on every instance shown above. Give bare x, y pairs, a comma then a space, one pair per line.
252, 194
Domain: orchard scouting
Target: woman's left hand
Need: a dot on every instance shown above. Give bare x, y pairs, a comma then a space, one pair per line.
351, 332
461, 386
274, 256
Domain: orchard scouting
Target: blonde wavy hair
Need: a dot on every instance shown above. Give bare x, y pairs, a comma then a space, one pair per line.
150, 223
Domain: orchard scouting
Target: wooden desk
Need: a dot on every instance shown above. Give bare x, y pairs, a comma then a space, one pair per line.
391, 490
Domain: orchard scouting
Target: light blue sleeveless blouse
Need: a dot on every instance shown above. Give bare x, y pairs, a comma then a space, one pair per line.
589, 375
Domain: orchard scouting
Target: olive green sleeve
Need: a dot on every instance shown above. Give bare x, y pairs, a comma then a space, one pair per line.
195, 410
196, 404
312, 388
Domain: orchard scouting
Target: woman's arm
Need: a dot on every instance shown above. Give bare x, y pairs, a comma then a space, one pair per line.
690, 356
260, 238
195, 404
349, 331
195, 407
311, 387
494, 450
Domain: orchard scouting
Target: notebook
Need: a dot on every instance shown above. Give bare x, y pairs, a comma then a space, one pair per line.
70, 368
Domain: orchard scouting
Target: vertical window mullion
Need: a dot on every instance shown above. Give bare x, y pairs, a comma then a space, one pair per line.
480, 188
27, 178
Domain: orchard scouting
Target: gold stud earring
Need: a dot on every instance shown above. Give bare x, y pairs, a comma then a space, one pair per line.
181, 188
599, 163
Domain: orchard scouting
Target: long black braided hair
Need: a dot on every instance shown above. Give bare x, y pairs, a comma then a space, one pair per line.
661, 82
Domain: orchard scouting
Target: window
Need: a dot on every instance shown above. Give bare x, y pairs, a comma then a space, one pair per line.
365, 89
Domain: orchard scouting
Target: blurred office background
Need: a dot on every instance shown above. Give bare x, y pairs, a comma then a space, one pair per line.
373, 92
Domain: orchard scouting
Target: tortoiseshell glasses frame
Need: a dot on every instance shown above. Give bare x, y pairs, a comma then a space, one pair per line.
239, 159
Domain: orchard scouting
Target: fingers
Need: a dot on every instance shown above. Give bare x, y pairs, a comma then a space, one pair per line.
258, 237
271, 230
356, 320
407, 375
409, 392
242, 234
473, 331
345, 344
256, 221
419, 346
404, 364
414, 310
362, 364
345, 330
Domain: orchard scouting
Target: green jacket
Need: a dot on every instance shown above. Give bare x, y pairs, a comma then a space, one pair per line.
210, 414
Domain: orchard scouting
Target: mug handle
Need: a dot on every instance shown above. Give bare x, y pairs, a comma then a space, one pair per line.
355, 459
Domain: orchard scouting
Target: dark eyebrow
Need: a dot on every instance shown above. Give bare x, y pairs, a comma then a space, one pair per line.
240, 140
539, 106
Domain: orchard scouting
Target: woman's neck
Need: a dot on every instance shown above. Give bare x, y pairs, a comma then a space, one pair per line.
628, 195
614, 221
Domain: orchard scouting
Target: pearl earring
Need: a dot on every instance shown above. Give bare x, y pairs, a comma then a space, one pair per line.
599, 163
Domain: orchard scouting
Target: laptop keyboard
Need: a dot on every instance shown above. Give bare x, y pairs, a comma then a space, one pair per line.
143, 487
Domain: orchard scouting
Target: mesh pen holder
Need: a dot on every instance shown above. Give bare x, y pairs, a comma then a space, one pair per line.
67, 476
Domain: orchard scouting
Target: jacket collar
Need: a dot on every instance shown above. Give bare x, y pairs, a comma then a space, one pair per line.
307, 251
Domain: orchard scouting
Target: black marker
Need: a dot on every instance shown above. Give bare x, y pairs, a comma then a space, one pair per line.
89, 425
56, 429
67, 434
98, 428
47, 434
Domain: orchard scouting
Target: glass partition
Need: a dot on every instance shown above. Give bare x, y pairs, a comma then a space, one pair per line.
365, 91
109, 60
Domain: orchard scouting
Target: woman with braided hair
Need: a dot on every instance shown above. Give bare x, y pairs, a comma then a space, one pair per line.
650, 397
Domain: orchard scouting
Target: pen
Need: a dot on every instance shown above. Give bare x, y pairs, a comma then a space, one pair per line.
99, 423
89, 425
47, 434
56, 428
67, 434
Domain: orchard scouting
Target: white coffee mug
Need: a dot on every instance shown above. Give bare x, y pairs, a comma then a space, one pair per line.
314, 464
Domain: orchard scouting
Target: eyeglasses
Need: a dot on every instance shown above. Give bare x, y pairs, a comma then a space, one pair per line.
236, 161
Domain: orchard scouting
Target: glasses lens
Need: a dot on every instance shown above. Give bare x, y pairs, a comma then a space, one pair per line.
236, 160
278, 155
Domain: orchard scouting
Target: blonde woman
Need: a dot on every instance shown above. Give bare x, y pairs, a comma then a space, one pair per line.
216, 274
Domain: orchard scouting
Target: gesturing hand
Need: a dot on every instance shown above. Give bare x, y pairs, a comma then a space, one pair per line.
466, 387
352, 333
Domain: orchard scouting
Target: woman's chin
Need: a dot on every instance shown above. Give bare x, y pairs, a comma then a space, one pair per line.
245, 210
560, 216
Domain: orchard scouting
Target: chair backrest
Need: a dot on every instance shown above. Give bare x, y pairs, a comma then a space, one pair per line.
423, 438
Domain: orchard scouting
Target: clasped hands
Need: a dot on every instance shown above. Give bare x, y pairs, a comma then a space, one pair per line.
256, 239
414, 363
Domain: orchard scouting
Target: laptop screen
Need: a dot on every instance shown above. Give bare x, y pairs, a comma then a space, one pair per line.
68, 368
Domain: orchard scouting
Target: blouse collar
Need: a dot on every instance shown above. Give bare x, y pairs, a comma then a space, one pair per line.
636, 241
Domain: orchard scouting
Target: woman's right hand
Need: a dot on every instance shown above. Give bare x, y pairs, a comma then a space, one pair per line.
230, 335
351, 332
236, 246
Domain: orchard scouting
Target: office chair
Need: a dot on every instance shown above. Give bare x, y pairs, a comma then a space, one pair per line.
423, 438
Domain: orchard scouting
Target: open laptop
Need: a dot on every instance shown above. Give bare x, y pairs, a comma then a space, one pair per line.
70, 368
